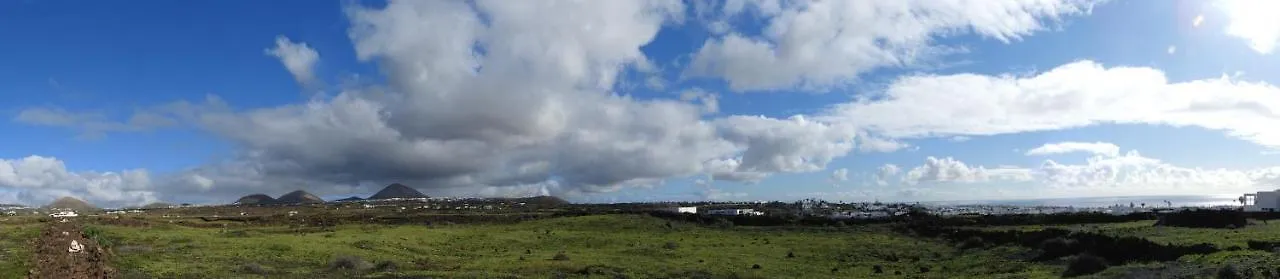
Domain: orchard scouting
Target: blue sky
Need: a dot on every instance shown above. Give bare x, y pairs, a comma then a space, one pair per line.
141, 101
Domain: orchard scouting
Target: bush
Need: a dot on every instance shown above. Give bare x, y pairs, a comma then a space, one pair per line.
1229, 272
670, 245
560, 256
363, 244
877, 269
1057, 247
755, 266
349, 263
723, 223
253, 268
1084, 264
278, 247
96, 234
388, 266
971, 242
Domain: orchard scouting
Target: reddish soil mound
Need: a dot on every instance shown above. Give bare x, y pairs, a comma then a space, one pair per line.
54, 261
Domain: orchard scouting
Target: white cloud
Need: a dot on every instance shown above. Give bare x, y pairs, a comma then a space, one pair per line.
883, 173
91, 124
1073, 95
1171, 49
709, 102
1100, 175
817, 44
1134, 173
37, 180
297, 57
1099, 148
1252, 20
868, 143
948, 170
456, 120
841, 174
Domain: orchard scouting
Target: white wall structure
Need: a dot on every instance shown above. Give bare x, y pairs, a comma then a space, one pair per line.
1262, 201
683, 209
734, 212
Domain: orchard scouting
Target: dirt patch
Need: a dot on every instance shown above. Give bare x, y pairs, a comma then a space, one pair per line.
53, 260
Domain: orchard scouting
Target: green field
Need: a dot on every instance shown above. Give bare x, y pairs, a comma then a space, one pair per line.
602, 246
15, 249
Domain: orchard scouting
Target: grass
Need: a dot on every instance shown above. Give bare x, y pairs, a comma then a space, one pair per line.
15, 249
602, 246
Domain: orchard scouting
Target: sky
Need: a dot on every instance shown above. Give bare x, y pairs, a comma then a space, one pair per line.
132, 102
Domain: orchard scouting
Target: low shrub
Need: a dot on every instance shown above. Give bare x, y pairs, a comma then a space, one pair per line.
671, 245
1229, 272
1084, 264
347, 262
560, 256
971, 242
253, 268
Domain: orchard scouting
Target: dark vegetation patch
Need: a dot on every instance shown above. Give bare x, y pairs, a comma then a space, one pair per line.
1084, 264
1060, 242
560, 256
253, 268
348, 262
1204, 218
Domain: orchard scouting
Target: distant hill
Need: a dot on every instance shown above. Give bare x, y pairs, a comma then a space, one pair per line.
72, 204
351, 199
397, 190
256, 199
299, 196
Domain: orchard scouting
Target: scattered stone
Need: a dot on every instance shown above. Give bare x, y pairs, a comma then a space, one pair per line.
75, 247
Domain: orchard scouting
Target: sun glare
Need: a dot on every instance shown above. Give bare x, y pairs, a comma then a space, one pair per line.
1257, 21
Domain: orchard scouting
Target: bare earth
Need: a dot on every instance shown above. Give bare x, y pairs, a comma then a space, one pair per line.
53, 261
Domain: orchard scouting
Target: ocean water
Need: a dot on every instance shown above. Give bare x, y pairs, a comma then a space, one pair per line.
1176, 201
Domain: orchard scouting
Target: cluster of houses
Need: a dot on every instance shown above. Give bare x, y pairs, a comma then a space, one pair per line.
716, 212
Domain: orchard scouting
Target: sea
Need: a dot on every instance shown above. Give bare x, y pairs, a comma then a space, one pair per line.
1175, 201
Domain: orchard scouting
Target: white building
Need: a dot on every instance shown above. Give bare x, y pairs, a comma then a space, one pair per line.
734, 212
1262, 201
64, 214
682, 209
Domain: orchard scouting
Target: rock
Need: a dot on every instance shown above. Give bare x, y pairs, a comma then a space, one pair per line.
75, 247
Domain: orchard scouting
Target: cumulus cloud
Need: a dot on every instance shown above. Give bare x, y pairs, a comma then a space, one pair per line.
710, 104
816, 44
884, 173
947, 169
297, 57
37, 180
1251, 20
1074, 95
1099, 148
1101, 174
841, 174
519, 102
1134, 173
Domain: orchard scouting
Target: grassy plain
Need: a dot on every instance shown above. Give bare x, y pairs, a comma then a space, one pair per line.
15, 249
600, 246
